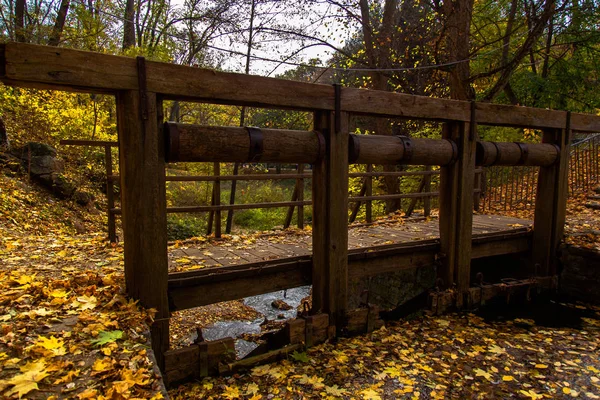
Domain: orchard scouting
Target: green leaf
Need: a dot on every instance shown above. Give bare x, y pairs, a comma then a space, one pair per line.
300, 356
107, 337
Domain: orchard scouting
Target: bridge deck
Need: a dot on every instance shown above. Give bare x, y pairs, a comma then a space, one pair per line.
279, 246
210, 272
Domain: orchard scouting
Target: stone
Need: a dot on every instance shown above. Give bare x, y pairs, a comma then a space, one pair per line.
281, 305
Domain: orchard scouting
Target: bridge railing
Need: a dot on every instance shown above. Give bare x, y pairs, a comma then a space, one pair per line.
512, 188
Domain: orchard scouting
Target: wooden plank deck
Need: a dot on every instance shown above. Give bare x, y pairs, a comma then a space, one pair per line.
281, 246
208, 273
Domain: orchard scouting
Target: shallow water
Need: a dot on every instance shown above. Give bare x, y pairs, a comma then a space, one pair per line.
262, 304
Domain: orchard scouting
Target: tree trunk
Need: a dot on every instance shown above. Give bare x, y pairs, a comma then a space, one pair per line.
377, 49
458, 15
59, 24
20, 7
129, 25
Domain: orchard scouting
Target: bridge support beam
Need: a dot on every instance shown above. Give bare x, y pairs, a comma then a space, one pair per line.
143, 204
456, 208
551, 204
330, 220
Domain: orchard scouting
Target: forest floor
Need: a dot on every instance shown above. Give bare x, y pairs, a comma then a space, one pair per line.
67, 330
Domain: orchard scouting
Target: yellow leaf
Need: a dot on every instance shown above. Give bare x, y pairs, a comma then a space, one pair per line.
58, 293
135, 378
251, 389
67, 378
531, 394
370, 394
335, 391
541, 366
566, 390
485, 374
231, 392
102, 365
508, 378
86, 302
56, 346
25, 279
24, 383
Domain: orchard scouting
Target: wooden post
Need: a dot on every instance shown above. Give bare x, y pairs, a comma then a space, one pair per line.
330, 220
217, 169
456, 208
215, 216
300, 185
110, 194
229, 221
143, 205
477, 196
550, 205
369, 192
427, 189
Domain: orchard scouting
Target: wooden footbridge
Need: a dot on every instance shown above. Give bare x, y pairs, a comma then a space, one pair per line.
147, 143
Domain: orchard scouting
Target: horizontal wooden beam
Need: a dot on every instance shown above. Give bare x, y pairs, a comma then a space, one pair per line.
214, 285
75, 142
48, 67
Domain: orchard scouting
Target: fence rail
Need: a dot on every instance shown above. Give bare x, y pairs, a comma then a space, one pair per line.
508, 188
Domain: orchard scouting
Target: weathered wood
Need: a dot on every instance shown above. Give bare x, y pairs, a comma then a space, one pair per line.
550, 206
300, 186
213, 285
363, 320
369, 192
330, 219
499, 153
110, 194
249, 177
456, 208
101, 143
217, 199
380, 149
143, 203
232, 144
198, 360
66, 69
266, 358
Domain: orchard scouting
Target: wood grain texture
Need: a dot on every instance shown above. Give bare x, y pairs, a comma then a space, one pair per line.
143, 204
46, 67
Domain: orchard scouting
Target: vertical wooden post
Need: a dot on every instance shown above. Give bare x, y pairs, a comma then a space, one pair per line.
217, 168
456, 207
143, 204
550, 204
229, 221
300, 185
369, 192
427, 189
477, 195
215, 216
330, 219
110, 194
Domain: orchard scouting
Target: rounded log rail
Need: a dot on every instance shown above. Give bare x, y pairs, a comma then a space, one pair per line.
379, 149
498, 153
196, 143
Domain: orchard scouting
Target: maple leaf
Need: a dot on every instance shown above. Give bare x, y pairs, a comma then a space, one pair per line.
85, 302
88, 394
496, 349
335, 391
314, 381
105, 337
252, 388
508, 378
24, 383
53, 344
102, 365
68, 377
135, 378
231, 392
370, 394
300, 356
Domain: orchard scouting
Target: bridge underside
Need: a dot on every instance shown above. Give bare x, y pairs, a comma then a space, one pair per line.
275, 262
